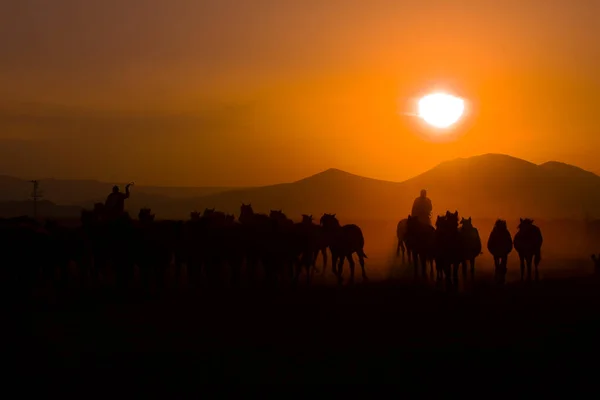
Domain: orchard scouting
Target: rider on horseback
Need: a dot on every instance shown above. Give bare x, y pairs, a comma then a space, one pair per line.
114, 206
422, 208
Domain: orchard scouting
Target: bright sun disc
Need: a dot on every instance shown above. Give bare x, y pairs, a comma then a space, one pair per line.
441, 110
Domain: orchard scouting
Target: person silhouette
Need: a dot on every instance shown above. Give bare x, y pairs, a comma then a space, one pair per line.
422, 208
115, 202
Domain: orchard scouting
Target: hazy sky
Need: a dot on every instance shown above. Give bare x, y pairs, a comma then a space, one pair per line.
248, 92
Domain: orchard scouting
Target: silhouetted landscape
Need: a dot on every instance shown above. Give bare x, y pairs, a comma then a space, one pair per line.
146, 283
486, 186
227, 192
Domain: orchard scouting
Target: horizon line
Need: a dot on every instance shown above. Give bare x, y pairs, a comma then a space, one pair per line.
292, 181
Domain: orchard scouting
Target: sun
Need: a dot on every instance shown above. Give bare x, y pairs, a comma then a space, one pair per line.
441, 110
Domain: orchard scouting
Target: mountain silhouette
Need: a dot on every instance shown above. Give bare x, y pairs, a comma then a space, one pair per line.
485, 186
490, 186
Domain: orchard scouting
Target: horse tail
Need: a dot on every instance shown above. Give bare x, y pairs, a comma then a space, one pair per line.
361, 253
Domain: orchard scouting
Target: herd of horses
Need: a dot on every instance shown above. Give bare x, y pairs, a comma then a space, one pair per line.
453, 242
215, 247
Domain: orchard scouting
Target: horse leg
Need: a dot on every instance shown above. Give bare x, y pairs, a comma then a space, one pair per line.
529, 260
403, 248
297, 266
351, 263
309, 269
472, 267
415, 260
361, 261
304, 263
324, 252
398, 248
430, 266
448, 270
340, 270
522, 261
423, 264
334, 261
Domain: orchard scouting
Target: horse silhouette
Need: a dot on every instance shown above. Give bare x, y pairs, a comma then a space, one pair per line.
500, 244
420, 241
528, 244
344, 242
470, 243
319, 240
448, 245
257, 232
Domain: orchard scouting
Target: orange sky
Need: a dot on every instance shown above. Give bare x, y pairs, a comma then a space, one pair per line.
223, 92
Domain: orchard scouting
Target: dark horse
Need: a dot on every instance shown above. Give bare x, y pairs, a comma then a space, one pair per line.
420, 239
318, 240
470, 243
343, 242
448, 247
500, 244
528, 244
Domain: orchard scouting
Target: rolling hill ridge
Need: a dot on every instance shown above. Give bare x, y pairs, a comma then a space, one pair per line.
490, 186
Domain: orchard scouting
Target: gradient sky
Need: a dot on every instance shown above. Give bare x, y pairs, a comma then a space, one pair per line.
224, 92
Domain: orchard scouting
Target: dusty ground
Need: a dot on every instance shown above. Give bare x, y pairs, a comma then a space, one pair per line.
395, 329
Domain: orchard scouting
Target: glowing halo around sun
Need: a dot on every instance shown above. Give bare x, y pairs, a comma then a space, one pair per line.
441, 110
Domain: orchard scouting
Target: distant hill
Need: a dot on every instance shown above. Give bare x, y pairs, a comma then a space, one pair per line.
490, 186
332, 191
45, 209
486, 186
496, 185
86, 192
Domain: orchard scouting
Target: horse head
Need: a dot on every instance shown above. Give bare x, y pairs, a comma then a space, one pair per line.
246, 210
307, 219
440, 220
466, 222
145, 215
525, 223
329, 220
452, 219
277, 215
208, 211
500, 225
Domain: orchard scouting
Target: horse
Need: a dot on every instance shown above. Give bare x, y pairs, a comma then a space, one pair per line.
420, 239
257, 232
448, 252
344, 241
528, 244
320, 241
500, 245
470, 243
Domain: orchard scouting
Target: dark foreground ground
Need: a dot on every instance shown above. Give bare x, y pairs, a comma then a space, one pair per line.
402, 332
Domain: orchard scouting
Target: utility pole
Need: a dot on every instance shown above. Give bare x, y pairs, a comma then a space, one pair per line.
36, 194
